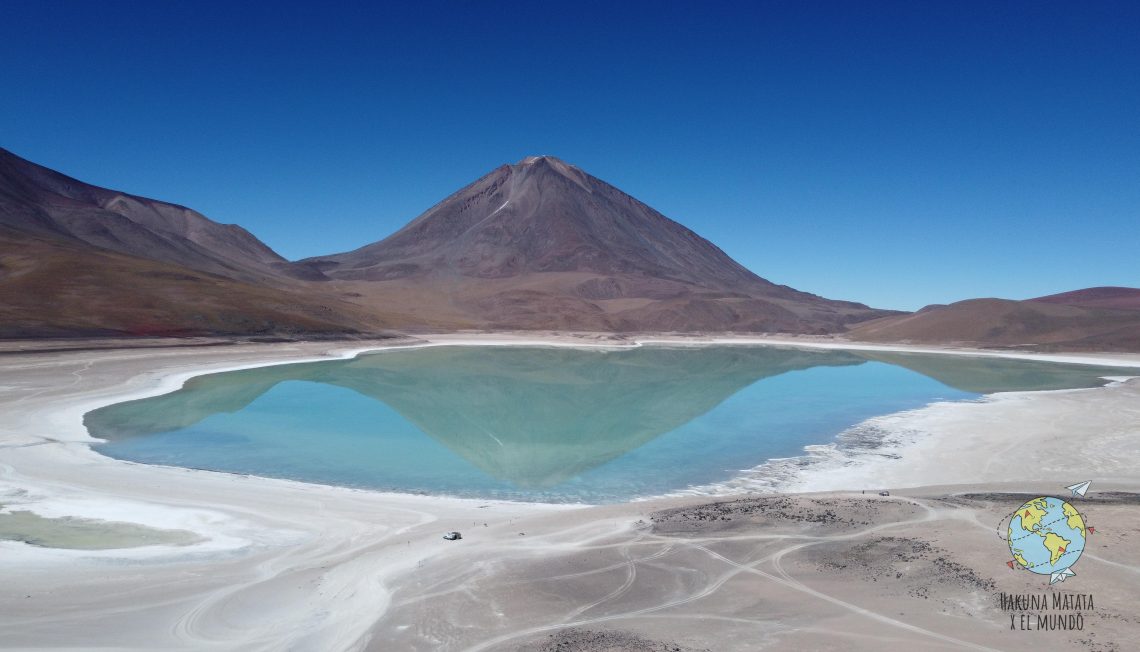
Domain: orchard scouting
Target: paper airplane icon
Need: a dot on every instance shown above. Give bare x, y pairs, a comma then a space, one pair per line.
1080, 488
1060, 575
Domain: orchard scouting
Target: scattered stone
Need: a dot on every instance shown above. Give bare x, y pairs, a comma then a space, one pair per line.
584, 640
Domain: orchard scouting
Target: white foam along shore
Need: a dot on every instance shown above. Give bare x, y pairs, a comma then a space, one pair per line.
259, 536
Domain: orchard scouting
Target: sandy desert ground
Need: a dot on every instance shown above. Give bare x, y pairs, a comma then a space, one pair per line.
217, 561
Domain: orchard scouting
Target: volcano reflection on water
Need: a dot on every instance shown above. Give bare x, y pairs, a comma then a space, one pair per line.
540, 423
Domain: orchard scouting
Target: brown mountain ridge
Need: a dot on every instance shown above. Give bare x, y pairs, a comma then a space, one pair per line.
539, 244
39, 201
80, 260
1092, 319
535, 245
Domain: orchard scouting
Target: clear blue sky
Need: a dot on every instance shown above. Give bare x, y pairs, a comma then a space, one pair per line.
897, 153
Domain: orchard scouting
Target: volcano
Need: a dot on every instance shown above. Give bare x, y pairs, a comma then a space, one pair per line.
543, 244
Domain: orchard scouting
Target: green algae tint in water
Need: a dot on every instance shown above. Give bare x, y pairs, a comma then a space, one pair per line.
550, 424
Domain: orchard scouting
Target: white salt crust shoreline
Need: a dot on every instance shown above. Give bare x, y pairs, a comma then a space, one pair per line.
822, 467
261, 535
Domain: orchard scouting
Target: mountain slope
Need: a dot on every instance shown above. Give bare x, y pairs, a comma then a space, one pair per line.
1008, 323
542, 244
79, 260
51, 287
40, 201
1113, 298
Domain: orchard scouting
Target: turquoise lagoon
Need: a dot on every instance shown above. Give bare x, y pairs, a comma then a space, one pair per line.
544, 423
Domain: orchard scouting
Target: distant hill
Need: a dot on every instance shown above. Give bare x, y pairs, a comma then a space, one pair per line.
1113, 298
543, 244
1075, 320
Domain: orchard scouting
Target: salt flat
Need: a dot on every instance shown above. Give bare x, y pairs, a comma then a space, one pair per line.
280, 564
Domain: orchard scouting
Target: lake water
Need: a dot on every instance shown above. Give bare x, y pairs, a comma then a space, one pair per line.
548, 424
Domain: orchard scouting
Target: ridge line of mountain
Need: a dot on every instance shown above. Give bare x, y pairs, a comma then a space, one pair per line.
539, 244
